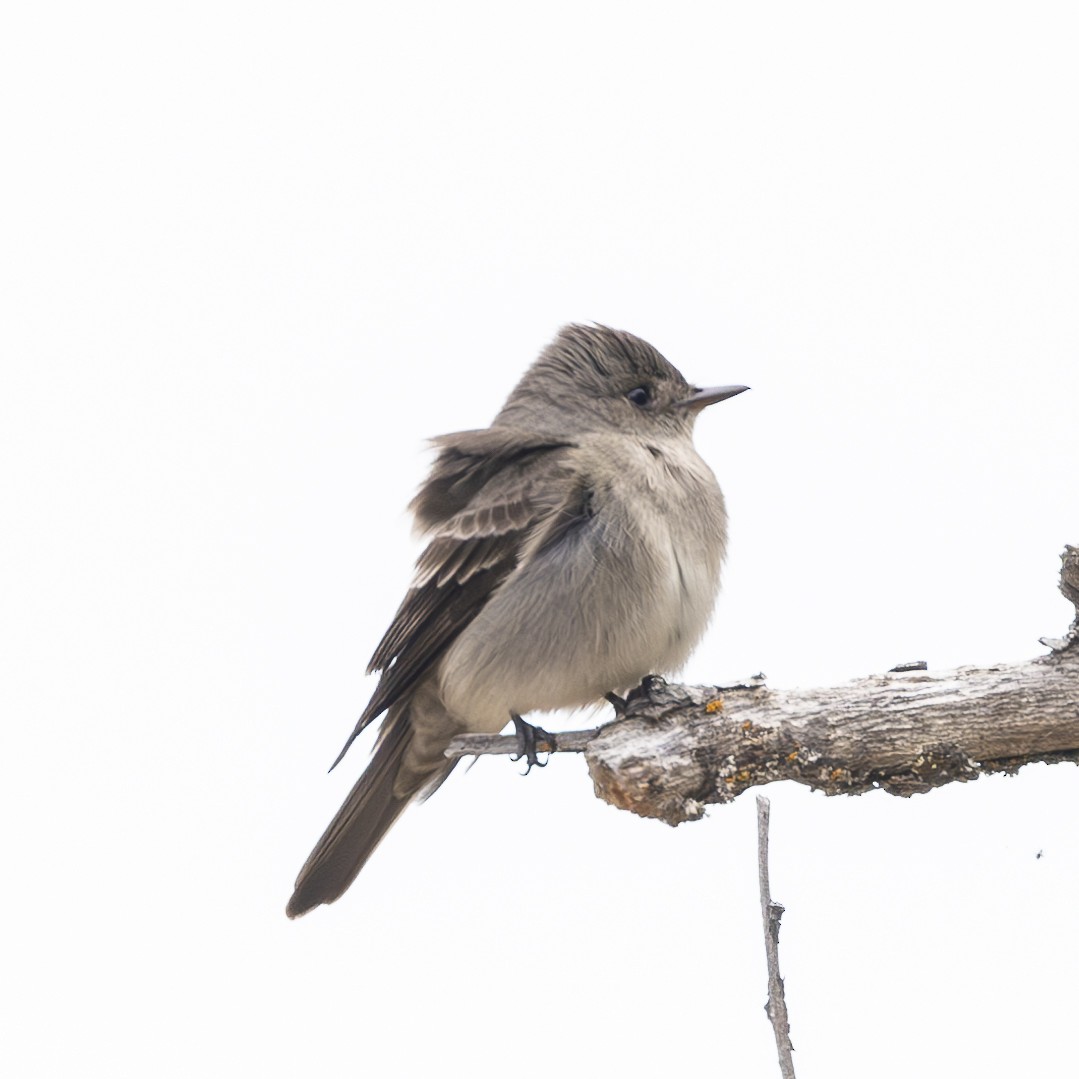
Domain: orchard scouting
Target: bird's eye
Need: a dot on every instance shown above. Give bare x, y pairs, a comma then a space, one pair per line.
641, 396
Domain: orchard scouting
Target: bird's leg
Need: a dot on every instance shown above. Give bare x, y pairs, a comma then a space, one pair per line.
527, 736
618, 703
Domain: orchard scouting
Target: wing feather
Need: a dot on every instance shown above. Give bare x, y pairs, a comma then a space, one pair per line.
487, 493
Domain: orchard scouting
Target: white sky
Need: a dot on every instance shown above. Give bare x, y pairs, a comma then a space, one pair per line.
253, 255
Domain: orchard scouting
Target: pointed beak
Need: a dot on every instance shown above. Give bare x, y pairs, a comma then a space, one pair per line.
709, 396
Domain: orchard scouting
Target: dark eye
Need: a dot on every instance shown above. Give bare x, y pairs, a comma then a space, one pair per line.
641, 396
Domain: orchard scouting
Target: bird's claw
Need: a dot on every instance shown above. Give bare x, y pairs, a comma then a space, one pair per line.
648, 683
527, 736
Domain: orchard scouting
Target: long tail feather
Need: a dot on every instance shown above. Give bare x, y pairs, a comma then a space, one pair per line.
367, 815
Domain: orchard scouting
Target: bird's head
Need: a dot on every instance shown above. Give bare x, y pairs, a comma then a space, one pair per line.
593, 378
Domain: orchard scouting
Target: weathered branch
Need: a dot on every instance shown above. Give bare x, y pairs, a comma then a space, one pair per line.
771, 913
678, 748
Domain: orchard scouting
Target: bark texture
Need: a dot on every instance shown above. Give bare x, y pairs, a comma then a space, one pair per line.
677, 749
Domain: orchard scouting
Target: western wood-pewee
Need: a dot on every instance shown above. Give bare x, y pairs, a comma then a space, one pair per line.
574, 547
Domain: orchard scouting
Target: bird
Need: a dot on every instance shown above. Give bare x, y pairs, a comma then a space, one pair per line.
573, 548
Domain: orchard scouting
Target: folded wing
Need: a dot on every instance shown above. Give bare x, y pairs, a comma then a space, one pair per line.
487, 492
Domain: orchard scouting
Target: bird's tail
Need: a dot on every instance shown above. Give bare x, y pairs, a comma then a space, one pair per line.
359, 825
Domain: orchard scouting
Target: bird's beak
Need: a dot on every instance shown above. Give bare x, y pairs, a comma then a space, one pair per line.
709, 396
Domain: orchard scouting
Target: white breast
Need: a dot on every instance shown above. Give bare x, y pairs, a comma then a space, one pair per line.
686, 527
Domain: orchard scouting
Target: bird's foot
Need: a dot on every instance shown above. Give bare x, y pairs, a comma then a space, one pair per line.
648, 683
527, 736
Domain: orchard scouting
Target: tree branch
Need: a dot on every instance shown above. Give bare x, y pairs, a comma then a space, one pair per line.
776, 1008
678, 748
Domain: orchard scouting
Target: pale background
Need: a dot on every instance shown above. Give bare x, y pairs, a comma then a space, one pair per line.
254, 254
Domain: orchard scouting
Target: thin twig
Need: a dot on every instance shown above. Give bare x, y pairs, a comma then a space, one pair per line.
468, 745
771, 914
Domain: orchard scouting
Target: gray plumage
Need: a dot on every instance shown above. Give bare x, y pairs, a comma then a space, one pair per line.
574, 547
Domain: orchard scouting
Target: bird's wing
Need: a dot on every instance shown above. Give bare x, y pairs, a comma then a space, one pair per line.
487, 492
